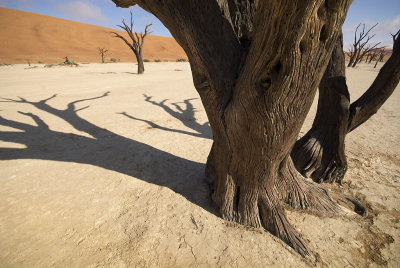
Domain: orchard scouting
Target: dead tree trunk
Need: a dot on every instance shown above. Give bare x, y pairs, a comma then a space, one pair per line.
372, 57
381, 55
249, 67
140, 63
368, 56
137, 41
320, 153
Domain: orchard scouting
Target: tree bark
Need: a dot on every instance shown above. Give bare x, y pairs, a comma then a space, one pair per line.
256, 66
320, 154
140, 63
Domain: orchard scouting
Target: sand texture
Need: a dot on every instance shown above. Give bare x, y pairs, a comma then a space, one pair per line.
109, 172
34, 37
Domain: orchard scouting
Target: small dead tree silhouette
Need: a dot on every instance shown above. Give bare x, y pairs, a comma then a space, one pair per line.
360, 46
137, 41
372, 56
103, 53
381, 55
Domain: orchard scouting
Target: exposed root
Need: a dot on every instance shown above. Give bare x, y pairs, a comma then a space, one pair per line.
354, 204
258, 207
319, 156
301, 194
274, 219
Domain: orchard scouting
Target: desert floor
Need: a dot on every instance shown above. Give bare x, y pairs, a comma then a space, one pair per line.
102, 167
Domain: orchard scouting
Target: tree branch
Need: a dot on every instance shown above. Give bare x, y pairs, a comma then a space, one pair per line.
380, 90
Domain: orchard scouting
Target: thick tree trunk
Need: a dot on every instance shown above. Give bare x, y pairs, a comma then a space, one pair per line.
256, 66
320, 153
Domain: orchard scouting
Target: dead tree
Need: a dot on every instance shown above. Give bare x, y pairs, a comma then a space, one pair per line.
367, 50
256, 66
372, 56
380, 58
137, 41
103, 53
320, 153
359, 48
368, 55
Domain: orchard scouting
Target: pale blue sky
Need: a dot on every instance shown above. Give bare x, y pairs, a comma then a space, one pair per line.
104, 13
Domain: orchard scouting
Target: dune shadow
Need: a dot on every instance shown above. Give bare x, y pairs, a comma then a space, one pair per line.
104, 149
184, 113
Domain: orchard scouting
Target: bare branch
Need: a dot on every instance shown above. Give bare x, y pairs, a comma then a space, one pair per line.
395, 36
123, 38
361, 39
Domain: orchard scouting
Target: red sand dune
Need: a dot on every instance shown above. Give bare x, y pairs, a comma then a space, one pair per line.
26, 36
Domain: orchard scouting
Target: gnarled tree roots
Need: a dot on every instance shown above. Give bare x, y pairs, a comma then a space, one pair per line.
319, 156
261, 205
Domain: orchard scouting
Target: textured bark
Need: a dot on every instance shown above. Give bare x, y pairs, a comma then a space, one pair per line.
256, 66
320, 153
140, 63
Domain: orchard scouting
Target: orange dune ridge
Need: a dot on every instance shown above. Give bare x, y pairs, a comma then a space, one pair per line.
29, 37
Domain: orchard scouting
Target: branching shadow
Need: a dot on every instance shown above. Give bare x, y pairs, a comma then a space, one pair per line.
184, 114
104, 149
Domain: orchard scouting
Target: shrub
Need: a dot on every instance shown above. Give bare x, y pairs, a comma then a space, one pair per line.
113, 60
181, 60
72, 62
146, 60
157, 60
40, 62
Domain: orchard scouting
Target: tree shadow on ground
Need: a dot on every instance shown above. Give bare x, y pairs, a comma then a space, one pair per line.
184, 114
104, 149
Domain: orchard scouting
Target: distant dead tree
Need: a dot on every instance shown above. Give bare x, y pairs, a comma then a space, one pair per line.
360, 46
103, 53
368, 56
372, 56
381, 55
137, 41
